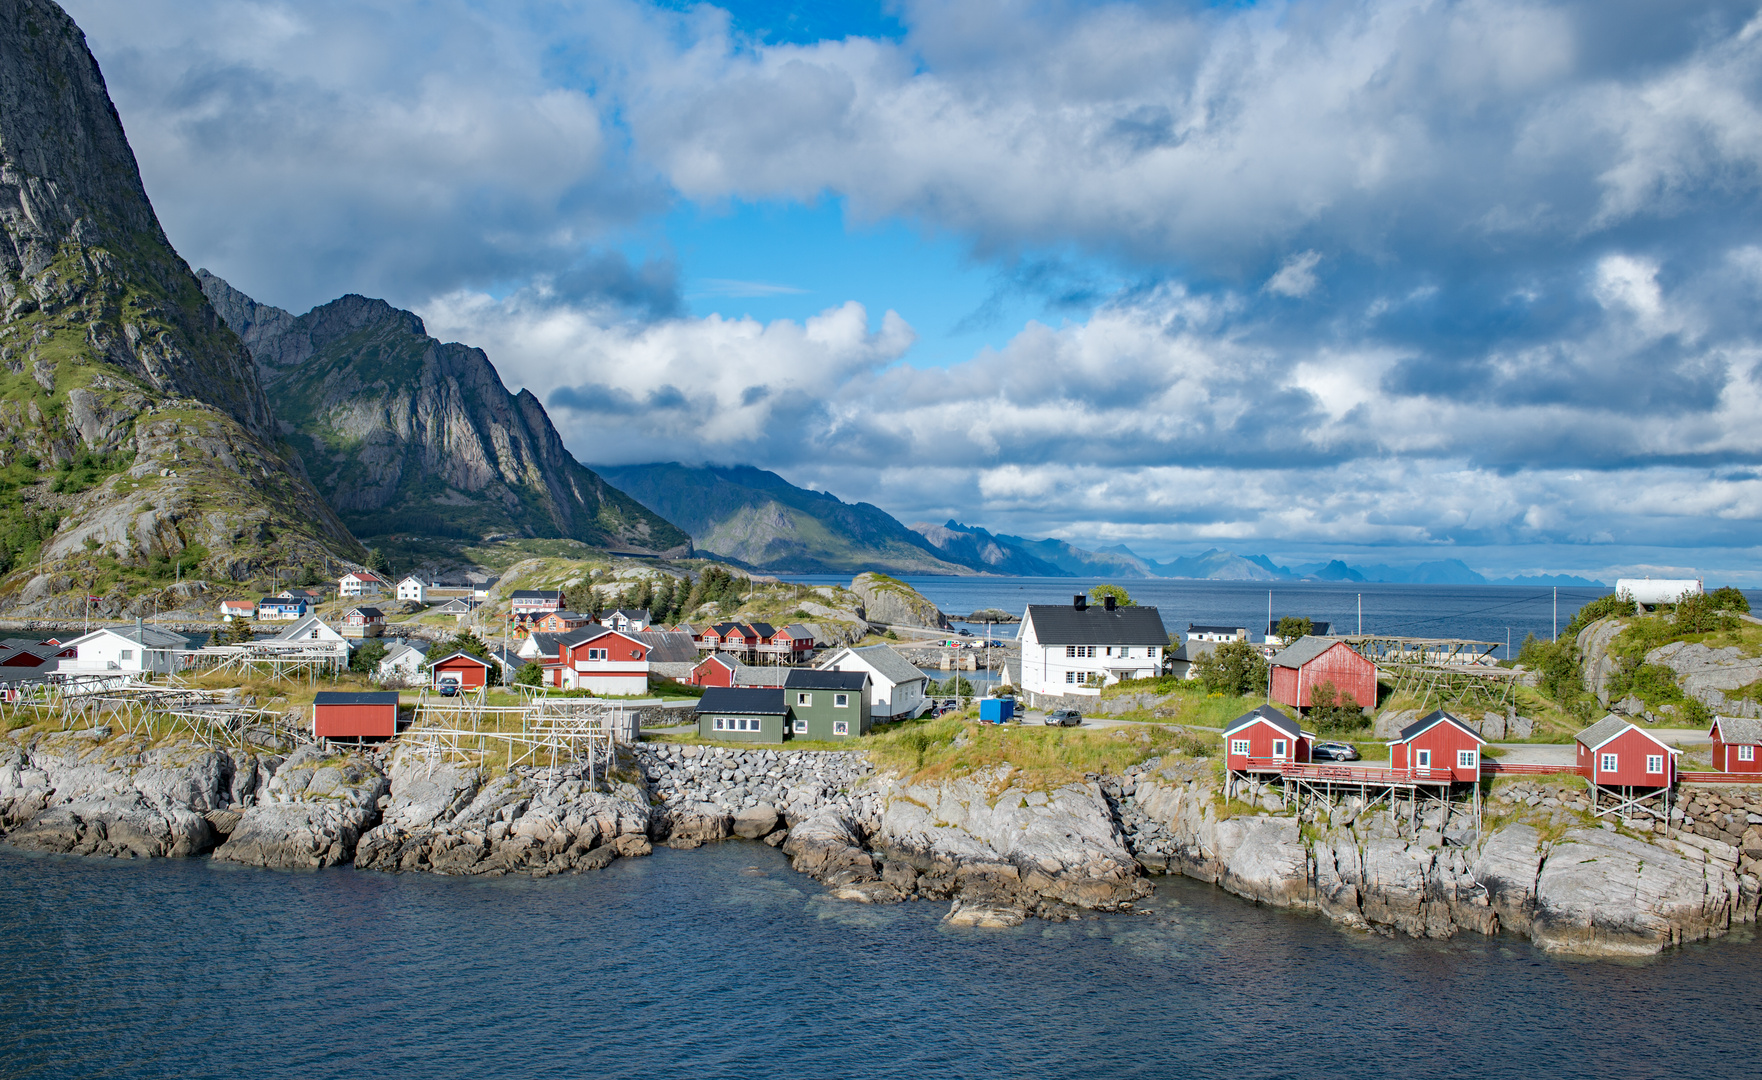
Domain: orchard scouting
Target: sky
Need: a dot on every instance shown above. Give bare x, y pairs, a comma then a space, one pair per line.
1389, 280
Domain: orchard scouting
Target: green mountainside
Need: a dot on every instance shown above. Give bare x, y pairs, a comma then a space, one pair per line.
759, 520
406, 435
136, 444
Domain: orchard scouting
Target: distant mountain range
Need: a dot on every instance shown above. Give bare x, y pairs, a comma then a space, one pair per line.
759, 520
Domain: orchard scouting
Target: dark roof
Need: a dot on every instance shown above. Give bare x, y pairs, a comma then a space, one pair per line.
1303, 650
1322, 629
369, 612
345, 697
1432, 720
560, 614
807, 679
1270, 715
763, 629
584, 633
722, 628
750, 700
535, 594
1195, 628
1061, 624
640, 615
281, 601
547, 643
728, 662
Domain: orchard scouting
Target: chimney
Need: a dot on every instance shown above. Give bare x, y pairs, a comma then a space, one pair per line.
1080, 602
1107, 602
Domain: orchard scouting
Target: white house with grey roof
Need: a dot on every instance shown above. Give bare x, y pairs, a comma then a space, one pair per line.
896, 687
125, 650
1076, 649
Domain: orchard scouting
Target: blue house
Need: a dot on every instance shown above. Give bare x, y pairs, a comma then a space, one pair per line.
283, 608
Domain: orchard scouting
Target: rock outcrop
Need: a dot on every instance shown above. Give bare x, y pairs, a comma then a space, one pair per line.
401, 432
310, 814
1708, 675
138, 409
890, 602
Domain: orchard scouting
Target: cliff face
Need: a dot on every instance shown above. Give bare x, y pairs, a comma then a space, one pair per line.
132, 424
404, 434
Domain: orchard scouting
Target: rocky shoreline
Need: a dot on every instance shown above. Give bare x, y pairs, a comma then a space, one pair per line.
997, 849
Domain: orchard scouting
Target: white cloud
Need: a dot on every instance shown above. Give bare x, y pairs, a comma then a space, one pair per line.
1296, 278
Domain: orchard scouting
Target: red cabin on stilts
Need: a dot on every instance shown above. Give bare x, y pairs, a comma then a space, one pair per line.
1737, 744
1436, 745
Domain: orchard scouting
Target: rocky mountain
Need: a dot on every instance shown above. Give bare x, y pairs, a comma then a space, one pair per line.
759, 520
405, 434
973, 546
135, 440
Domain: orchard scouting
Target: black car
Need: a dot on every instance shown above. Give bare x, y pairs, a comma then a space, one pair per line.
1063, 718
1333, 751
966, 633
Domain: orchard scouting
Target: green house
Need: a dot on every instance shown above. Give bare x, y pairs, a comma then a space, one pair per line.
827, 705
743, 714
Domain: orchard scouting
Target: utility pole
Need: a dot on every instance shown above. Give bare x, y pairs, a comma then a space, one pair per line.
1361, 614
1556, 613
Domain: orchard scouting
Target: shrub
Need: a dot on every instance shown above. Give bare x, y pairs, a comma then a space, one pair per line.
1333, 712
1292, 627
1121, 598
530, 674
1727, 598
1234, 667
366, 658
1602, 607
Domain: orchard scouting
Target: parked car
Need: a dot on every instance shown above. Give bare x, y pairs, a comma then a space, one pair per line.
1063, 718
1333, 751
966, 633
449, 688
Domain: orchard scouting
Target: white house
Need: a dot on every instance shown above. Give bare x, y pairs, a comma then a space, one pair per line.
403, 665
1075, 650
1196, 632
628, 620
413, 588
127, 650
311, 634
896, 688
360, 583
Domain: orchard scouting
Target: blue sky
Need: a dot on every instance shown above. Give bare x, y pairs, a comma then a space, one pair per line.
1393, 280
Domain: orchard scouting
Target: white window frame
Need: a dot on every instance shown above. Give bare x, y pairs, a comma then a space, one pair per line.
1746, 753
1608, 763
841, 727
801, 726
1070, 650
1279, 749
720, 720
1070, 677
126, 654
841, 701
1241, 747
804, 699
1465, 759
1422, 759
597, 654
1654, 764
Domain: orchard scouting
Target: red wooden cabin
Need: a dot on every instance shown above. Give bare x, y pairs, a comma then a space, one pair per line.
1614, 753
342, 715
1310, 661
1438, 744
1263, 740
467, 671
712, 671
1737, 744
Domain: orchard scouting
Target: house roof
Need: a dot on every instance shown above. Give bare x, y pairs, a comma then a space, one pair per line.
1303, 650
1316, 627
745, 700
1268, 715
367, 612
1193, 650
363, 575
763, 629
883, 660
398, 651
457, 605
1061, 624
561, 614
722, 629
668, 647
281, 601
238, 603
584, 634
147, 637
1738, 729
461, 655
1431, 720
355, 697
1195, 628
640, 615
1613, 727
797, 631
536, 594
300, 631
811, 679
298, 594
726, 661
547, 644
759, 675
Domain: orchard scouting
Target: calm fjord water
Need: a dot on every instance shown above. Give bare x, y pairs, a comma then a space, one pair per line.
724, 963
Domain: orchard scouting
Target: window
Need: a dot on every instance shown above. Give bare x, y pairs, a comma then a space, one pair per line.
841, 701
1655, 763
1746, 753
719, 722
128, 654
1070, 650
841, 727
801, 726
1239, 747
804, 699
1070, 676
1608, 763
1422, 759
596, 654
1278, 748
1465, 759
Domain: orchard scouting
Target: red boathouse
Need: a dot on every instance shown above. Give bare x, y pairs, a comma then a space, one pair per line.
1264, 740
1437, 745
462, 668
341, 715
1737, 744
1614, 753
1310, 661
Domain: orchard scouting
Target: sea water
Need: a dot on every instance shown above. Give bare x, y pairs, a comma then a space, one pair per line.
722, 962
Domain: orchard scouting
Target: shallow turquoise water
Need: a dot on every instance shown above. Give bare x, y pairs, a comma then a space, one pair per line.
724, 963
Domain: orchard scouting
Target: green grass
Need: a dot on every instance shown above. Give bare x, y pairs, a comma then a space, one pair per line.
950, 746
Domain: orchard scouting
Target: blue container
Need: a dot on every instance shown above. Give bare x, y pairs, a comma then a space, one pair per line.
997, 710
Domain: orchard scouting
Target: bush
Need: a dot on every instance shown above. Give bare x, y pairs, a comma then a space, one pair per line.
1727, 598
1333, 712
1121, 598
1559, 675
366, 658
1700, 615
1600, 608
530, 674
1292, 627
1234, 667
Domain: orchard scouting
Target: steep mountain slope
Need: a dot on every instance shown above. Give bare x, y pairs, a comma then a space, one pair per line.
973, 546
760, 520
134, 435
404, 434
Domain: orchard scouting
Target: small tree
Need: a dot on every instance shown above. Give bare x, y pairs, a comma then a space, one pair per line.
464, 641
1292, 627
1331, 710
1727, 598
1121, 598
378, 563
237, 632
1234, 667
530, 674
367, 657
